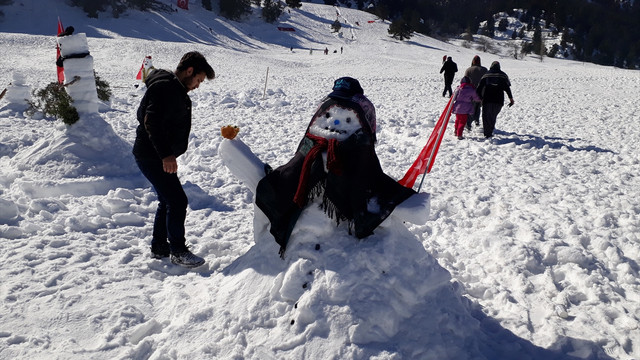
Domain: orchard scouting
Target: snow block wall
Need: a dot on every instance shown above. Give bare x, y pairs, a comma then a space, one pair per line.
78, 62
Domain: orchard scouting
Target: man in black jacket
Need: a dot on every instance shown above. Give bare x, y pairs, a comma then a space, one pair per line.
450, 69
491, 90
162, 135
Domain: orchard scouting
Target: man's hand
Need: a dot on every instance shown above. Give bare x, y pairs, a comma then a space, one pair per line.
511, 102
170, 165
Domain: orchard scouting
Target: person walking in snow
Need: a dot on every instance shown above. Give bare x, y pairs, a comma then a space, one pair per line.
450, 69
491, 90
463, 100
475, 72
164, 117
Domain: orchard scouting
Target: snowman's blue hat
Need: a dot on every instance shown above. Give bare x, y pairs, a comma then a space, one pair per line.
346, 88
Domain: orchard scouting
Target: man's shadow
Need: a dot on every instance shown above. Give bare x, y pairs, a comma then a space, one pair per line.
540, 142
200, 199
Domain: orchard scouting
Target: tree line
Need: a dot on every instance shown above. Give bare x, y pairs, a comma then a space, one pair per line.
604, 32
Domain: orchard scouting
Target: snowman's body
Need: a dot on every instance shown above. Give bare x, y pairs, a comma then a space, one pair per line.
337, 123
335, 165
249, 169
78, 72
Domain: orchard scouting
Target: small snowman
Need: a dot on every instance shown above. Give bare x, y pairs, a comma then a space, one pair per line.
335, 167
145, 69
18, 92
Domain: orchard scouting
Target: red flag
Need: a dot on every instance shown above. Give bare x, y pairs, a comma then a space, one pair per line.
183, 4
428, 154
60, 69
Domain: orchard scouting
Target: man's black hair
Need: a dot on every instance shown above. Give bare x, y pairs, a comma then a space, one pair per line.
198, 62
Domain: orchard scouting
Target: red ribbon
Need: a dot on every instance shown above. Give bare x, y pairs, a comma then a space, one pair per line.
333, 165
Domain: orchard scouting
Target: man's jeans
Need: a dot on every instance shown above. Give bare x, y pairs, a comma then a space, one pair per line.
172, 209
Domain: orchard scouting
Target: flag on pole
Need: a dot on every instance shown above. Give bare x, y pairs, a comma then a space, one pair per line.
60, 69
427, 156
183, 4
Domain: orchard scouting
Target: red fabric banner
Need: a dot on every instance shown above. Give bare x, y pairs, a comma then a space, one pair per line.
60, 69
183, 4
427, 156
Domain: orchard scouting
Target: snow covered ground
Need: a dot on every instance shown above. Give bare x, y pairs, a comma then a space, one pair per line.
531, 250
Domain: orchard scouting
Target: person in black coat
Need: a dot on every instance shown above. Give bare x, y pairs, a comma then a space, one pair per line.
491, 90
164, 118
450, 69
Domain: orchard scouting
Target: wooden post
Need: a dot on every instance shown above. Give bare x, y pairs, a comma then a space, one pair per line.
265, 84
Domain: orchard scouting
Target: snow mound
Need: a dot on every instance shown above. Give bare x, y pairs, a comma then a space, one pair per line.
85, 158
337, 292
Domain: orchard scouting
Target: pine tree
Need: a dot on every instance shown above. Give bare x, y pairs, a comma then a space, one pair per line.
399, 29
336, 26
138, 4
489, 30
502, 25
538, 44
271, 11
294, 4
91, 7
234, 9
54, 101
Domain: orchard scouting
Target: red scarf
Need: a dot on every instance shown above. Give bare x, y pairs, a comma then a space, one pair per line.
333, 165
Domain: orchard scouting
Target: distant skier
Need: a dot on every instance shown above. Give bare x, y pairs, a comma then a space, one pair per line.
450, 69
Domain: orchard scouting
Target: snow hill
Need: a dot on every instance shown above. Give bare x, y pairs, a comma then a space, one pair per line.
531, 250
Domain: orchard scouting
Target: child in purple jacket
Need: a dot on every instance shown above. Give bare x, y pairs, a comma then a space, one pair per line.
463, 100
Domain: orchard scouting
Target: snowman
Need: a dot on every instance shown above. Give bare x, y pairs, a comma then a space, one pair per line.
145, 69
18, 92
78, 71
334, 167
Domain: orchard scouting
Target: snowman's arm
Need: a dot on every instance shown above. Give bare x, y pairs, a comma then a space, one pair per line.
415, 209
242, 162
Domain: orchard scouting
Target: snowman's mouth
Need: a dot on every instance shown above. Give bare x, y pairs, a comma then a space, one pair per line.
336, 130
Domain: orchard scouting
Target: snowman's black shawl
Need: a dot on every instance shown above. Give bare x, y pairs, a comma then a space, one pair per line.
345, 196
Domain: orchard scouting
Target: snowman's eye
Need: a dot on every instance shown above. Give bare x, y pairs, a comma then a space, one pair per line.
348, 120
327, 115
